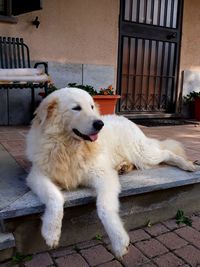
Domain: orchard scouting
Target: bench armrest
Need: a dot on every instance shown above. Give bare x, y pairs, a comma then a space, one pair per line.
45, 64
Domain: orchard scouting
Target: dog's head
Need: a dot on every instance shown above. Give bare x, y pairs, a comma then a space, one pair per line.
70, 110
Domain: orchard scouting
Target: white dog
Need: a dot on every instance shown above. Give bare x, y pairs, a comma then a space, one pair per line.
69, 145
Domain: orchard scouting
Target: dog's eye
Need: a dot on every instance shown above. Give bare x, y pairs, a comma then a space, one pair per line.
92, 107
78, 108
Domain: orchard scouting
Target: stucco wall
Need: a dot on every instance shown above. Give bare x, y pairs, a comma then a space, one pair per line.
190, 52
78, 38
75, 31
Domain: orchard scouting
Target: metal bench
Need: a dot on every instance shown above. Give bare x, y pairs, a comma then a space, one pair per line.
15, 59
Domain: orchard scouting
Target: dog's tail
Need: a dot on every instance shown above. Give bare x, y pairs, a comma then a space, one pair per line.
173, 146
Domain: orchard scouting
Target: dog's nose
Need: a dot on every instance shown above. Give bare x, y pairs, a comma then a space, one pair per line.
98, 124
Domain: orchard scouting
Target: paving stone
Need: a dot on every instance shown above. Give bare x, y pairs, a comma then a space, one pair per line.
196, 222
149, 264
172, 241
42, 259
190, 254
190, 235
87, 244
151, 248
9, 264
96, 255
73, 260
61, 252
138, 235
111, 264
169, 260
134, 257
172, 225
156, 229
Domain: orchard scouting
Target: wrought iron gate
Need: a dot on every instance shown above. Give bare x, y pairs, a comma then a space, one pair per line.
149, 51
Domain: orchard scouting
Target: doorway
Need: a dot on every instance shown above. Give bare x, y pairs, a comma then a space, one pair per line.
149, 53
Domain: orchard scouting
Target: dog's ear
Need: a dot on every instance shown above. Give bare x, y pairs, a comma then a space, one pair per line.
46, 111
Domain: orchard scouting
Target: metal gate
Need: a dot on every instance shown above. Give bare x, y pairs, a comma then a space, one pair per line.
149, 52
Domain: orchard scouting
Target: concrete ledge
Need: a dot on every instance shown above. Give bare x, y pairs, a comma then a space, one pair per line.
7, 240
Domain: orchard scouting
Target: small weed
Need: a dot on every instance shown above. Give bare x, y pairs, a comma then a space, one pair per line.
98, 237
76, 248
18, 258
181, 218
148, 224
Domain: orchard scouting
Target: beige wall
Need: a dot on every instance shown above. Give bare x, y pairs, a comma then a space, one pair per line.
190, 52
74, 31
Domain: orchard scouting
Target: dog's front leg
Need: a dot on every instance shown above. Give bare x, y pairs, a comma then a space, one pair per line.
106, 184
50, 195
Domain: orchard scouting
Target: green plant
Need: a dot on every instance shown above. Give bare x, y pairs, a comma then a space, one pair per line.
98, 237
76, 248
191, 97
181, 218
18, 258
148, 224
90, 89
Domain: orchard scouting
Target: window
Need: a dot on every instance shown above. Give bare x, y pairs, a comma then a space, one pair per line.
11, 8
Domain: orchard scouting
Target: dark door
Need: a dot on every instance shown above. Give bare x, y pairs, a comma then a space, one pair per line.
149, 52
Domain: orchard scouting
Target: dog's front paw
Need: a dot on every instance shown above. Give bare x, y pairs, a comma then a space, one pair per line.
51, 229
120, 246
51, 234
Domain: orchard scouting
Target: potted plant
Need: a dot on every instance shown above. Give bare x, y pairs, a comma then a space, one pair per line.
104, 98
194, 99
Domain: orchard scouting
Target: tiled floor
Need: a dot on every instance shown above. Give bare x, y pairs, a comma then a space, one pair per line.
164, 245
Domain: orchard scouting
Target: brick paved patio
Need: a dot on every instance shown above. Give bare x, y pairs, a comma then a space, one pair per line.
165, 244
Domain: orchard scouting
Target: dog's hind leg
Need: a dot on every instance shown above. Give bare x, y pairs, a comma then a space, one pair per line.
178, 161
50, 195
106, 184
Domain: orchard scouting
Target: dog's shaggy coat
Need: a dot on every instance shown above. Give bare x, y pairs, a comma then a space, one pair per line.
68, 149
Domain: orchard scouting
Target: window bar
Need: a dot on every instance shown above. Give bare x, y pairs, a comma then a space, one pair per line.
138, 11
149, 71
18, 52
145, 11
161, 72
5, 51
10, 52
159, 11
22, 52
173, 63
141, 78
156, 73
130, 10
152, 11
128, 71
168, 71
14, 52
1, 53
172, 13
135, 69
165, 15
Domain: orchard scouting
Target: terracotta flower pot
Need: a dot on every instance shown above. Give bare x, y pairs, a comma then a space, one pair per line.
106, 103
197, 108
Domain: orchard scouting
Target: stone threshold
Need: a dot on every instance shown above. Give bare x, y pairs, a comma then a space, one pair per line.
17, 200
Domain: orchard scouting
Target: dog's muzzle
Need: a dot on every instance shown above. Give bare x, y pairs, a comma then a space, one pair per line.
97, 125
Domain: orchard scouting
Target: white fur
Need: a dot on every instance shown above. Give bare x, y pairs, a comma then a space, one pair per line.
63, 160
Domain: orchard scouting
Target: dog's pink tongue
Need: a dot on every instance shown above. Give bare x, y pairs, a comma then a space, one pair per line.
93, 137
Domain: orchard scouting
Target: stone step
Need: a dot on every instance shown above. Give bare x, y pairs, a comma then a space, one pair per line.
17, 200
153, 195
7, 240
